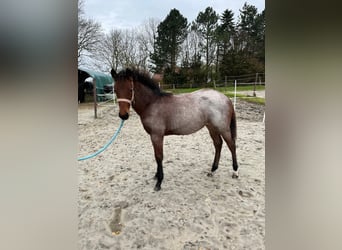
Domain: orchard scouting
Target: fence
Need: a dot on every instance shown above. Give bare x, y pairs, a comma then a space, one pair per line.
226, 81
100, 96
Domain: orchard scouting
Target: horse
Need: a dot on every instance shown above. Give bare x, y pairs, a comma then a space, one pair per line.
162, 113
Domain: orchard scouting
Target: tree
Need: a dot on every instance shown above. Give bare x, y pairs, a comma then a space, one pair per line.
260, 36
206, 23
170, 35
89, 34
197, 74
190, 56
129, 49
121, 48
247, 27
225, 33
246, 53
226, 30
146, 38
251, 30
108, 54
234, 63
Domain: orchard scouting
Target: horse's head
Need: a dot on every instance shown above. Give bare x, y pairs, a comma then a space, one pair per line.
124, 90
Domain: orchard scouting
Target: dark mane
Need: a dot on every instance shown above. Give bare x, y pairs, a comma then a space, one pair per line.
144, 79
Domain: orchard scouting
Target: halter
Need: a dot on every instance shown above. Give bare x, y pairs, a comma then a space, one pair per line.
127, 100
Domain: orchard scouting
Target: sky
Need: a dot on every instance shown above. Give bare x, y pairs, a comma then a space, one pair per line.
126, 14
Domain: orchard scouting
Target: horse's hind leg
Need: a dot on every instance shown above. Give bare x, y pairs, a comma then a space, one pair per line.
227, 136
157, 142
217, 140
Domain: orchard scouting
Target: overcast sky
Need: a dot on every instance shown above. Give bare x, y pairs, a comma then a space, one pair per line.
122, 14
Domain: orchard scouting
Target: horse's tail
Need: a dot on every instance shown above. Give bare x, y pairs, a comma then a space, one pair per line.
233, 125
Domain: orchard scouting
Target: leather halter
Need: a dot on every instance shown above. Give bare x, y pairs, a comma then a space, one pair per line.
127, 100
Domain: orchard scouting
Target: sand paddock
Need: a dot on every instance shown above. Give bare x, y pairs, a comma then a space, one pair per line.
118, 208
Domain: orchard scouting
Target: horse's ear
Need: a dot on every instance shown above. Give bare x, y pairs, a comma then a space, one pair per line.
113, 73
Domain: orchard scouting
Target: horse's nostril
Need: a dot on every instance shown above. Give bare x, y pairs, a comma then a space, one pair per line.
124, 117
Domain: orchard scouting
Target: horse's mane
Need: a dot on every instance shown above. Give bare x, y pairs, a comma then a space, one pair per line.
144, 78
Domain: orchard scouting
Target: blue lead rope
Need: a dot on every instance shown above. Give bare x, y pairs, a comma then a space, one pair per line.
105, 146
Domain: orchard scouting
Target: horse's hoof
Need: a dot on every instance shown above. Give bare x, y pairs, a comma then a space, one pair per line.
235, 175
157, 188
210, 174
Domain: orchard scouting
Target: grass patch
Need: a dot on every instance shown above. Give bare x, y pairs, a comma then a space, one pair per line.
241, 88
231, 95
252, 99
182, 91
221, 89
257, 100
229, 91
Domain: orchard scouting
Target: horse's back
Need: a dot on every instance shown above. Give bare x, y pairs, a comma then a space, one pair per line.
210, 95
209, 99
187, 113
216, 106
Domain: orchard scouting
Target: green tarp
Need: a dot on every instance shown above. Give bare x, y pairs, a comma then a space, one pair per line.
101, 80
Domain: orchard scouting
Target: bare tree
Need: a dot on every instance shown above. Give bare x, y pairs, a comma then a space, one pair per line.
123, 48
129, 49
80, 8
118, 49
191, 46
146, 37
89, 34
150, 32
146, 41
109, 51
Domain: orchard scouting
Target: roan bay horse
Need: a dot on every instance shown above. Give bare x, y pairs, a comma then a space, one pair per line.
167, 114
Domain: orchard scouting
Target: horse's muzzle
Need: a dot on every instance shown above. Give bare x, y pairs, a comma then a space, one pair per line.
124, 117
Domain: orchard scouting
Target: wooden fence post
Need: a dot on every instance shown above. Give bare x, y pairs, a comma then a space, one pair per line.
256, 79
95, 99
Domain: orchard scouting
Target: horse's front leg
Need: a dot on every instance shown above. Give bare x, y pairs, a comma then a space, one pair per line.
157, 142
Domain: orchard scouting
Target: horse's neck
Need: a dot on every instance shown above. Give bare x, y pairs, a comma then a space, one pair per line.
143, 97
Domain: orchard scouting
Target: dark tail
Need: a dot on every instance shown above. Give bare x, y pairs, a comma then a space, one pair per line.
233, 126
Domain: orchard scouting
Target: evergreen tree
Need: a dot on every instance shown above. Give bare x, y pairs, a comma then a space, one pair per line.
170, 34
225, 35
226, 30
260, 37
248, 28
247, 53
206, 23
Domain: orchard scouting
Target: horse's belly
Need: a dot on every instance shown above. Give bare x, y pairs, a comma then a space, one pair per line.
179, 126
183, 131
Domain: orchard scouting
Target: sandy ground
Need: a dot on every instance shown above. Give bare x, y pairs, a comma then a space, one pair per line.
118, 208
